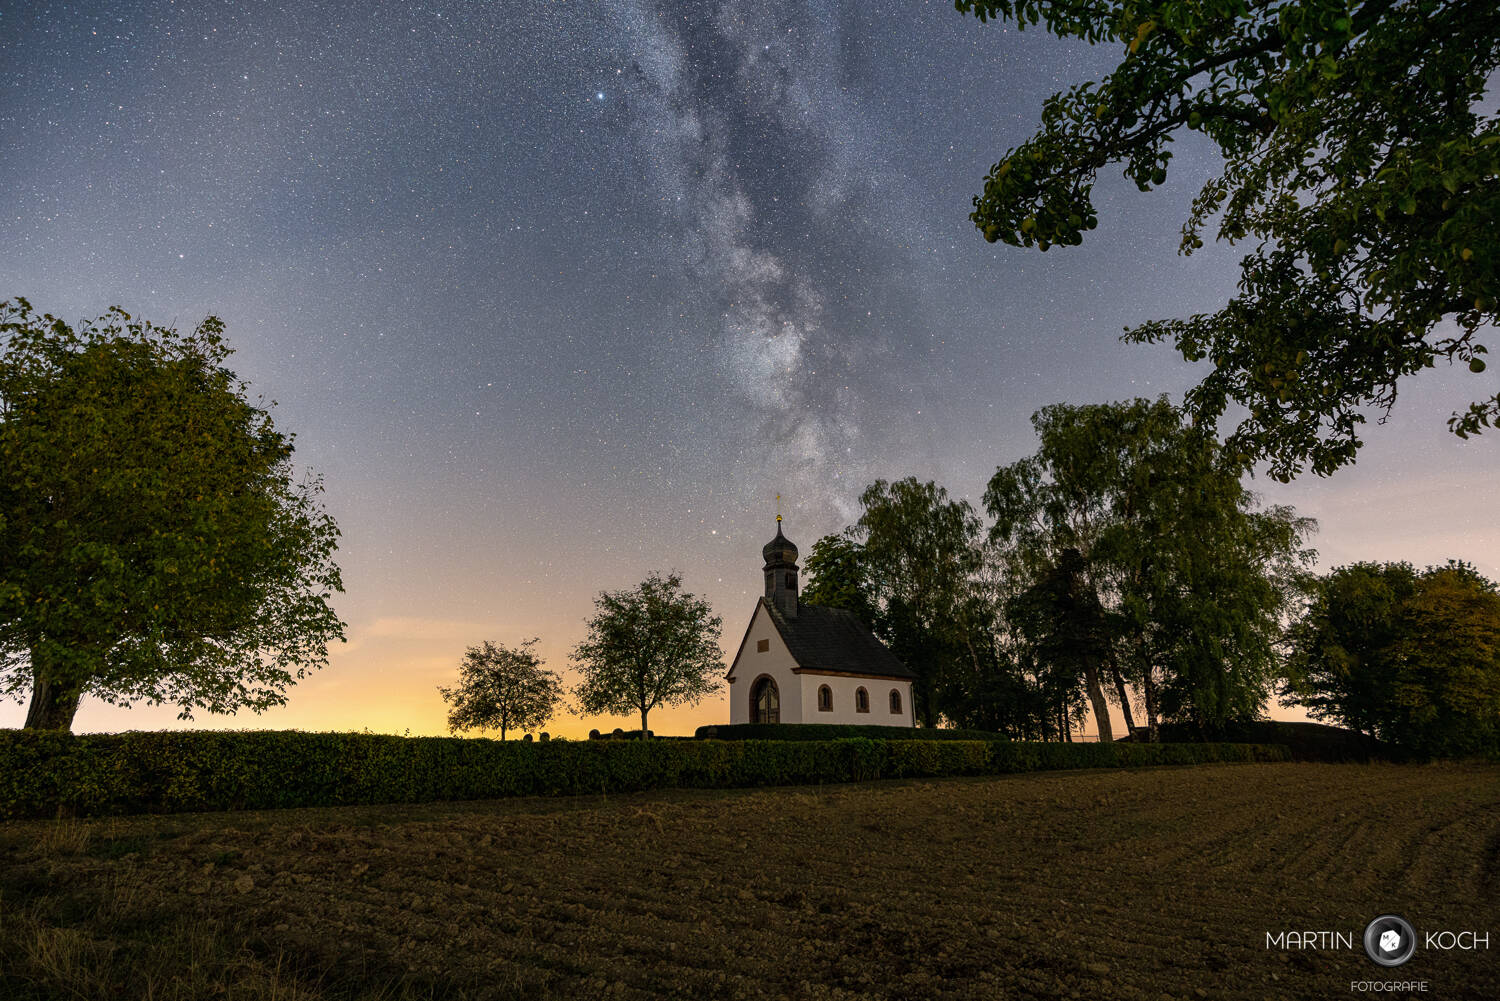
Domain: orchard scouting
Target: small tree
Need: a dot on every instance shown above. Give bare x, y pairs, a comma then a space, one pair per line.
652, 646
153, 543
502, 687
1061, 617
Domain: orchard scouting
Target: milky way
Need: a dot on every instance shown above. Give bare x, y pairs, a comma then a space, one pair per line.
741, 117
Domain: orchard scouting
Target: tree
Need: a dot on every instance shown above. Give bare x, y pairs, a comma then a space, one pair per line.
1130, 506
838, 578
153, 543
921, 552
1411, 659
652, 646
500, 686
1049, 510
1000, 688
1060, 615
1355, 158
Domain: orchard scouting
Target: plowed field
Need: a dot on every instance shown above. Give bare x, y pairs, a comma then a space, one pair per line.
1159, 883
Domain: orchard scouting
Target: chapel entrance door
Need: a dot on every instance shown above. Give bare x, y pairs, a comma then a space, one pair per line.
765, 702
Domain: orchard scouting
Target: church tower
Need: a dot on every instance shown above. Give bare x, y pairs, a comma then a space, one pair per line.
781, 573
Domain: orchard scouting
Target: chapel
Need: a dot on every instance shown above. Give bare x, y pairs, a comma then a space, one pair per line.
801, 663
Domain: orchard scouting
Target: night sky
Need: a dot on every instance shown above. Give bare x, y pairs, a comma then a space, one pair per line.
558, 295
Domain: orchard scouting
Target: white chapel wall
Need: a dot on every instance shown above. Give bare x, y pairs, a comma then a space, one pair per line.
776, 661
843, 700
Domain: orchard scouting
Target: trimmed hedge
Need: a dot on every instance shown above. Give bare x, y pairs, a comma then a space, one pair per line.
1305, 741
53, 774
835, 731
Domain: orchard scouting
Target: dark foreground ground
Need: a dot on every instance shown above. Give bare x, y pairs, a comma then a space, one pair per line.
1099, 885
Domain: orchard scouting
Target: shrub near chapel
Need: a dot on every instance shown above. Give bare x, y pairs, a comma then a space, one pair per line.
45, 774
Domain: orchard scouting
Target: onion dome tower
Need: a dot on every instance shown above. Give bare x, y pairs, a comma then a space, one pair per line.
781, 573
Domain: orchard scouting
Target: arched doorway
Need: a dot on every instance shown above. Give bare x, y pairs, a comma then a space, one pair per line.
765, 702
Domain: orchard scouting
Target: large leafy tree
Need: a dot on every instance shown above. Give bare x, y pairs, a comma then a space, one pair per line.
838, 578
921, 552
1000, 686
1410, 658
154, 545
1357, 162
1062, 619
1130, 506
652, 646
1049, 510
501, 687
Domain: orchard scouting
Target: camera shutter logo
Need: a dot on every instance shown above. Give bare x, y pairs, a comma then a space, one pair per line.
1390, 940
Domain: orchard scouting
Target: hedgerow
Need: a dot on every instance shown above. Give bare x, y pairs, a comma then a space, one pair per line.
833, 731
46, 774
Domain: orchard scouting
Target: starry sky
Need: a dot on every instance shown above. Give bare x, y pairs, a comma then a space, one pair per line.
557, 295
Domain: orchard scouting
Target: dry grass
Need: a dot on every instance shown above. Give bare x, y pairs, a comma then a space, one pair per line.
1122, 884
64, 837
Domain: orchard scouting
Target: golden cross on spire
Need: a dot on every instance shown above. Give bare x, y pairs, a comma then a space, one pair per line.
778, 510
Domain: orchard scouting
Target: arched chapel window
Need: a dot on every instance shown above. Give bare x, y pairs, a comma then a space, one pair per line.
861, 701
825, 699
895, 702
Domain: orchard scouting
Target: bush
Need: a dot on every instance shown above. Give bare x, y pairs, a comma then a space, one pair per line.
46, 774
1304, 741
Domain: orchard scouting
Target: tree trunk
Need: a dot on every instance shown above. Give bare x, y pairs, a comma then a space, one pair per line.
1096, 696
645, 733
978, 680
52, 706
1152, 734
1114, 670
